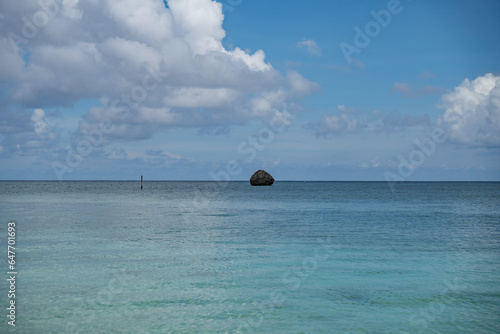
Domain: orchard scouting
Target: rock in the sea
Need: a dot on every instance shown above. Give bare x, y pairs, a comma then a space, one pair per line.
261, 178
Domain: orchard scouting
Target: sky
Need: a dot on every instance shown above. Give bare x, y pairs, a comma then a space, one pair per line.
214, 90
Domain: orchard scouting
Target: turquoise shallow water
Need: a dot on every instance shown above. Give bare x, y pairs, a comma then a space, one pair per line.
297, 257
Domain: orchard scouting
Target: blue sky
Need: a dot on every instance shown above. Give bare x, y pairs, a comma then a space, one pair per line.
205, 90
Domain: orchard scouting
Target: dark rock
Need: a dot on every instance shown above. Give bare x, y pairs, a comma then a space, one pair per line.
261, 178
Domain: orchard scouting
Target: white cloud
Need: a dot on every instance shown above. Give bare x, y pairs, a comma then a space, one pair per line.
26, 131
108, 50
187, 97
71, 10
312, 48
145, 20
300, 86
341, 121
262, 103
472, 112
120, 48
200, 23
336, 124
255, 62
38, 119
160, 116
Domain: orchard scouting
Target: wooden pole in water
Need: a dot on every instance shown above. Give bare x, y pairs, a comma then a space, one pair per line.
141, 181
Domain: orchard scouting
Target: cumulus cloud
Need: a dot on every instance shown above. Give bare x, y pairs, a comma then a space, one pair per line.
255, 62
472, 112
312, 48
152, 66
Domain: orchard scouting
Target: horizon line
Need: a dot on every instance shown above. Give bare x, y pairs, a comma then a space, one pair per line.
155, 180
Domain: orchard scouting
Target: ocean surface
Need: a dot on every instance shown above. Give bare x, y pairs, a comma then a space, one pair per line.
296, 257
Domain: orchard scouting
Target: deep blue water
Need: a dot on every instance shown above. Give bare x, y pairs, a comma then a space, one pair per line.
296, 257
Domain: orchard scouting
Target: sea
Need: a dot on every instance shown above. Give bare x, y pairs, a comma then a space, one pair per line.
226, 257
